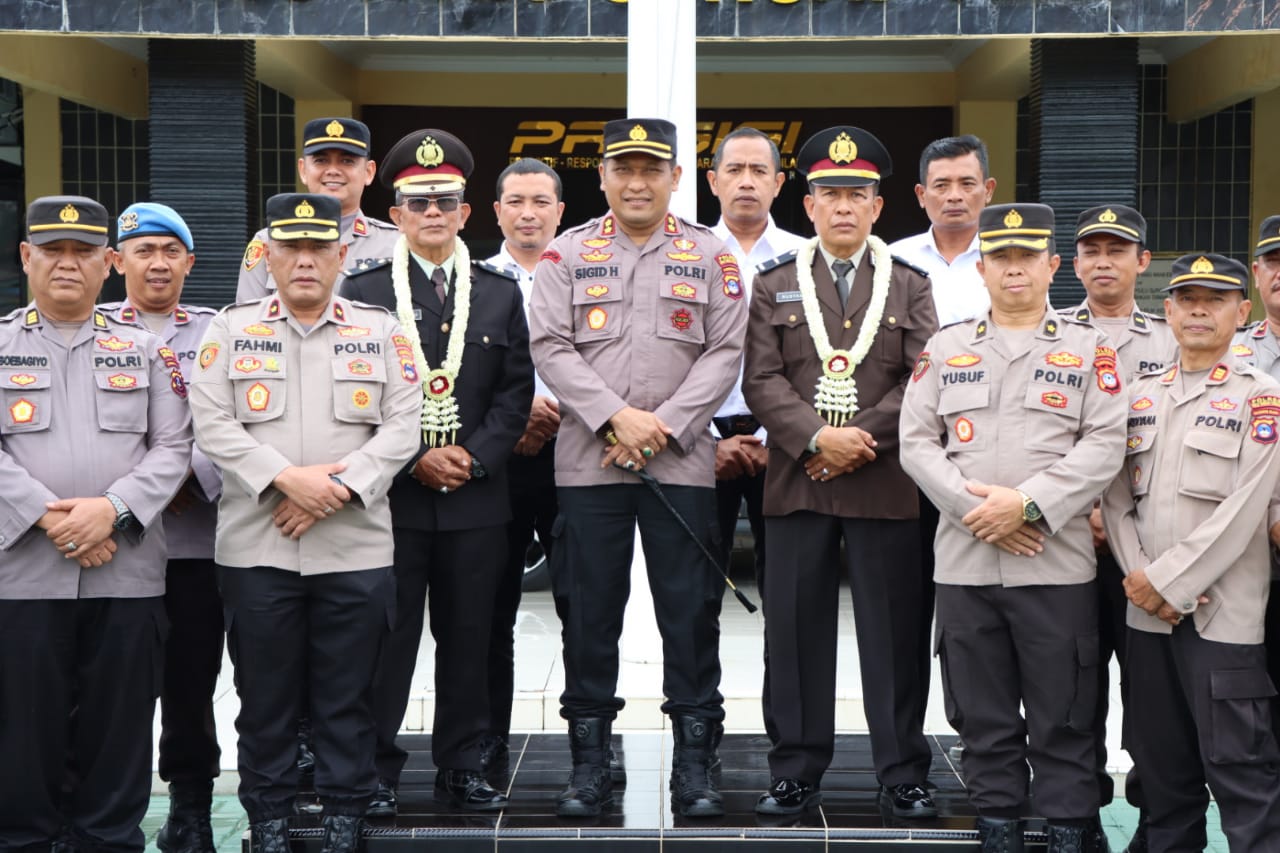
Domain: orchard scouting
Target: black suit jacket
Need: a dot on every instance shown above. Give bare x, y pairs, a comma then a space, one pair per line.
494, 390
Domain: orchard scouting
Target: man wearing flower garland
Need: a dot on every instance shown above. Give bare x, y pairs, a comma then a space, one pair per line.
1012, 424
637, 321
465, 329
845, 316
335, 161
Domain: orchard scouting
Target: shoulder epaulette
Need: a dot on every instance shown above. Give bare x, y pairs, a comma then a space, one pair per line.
199, 309
1075, 317
966, 321
495, 269
784, 258
380, 224
356, 303
589, 225
910, 266
372, 265
12, 315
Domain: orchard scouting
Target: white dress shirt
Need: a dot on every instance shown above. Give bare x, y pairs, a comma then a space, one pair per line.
958, 291
503, 259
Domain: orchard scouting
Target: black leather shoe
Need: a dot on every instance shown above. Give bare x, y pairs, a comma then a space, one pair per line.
467, 789
1067, 839
269, 836
383, 803
788, 796
495, 758
1000, 835
343, 834
910, 800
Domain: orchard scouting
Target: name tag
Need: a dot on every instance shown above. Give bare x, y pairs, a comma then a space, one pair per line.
787, 296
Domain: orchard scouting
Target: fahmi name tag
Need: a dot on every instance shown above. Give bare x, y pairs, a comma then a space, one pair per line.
787, 296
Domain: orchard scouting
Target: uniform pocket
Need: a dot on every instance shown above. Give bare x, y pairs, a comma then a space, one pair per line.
597, 312
259, 400
26, 398
357, 389
122, 400
1208, 465
1084, 702
682, 310
952, 681
1137, 459
1239, 709
1053, 418
958, 406
487, 338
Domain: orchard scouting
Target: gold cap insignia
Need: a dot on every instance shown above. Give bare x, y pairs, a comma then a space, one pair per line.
843, 149
1013, 219
304, 210
638, 134
129, 222
1107, 216
1202, 265
430, 154
69, 214
334, 128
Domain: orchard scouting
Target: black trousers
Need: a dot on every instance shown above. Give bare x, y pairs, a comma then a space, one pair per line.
1036, 647
78, 686
929, 519
1201, 713
458, 571
532, 480
305, 646
591, 573
189, 751
1112, 633
1273, 646
801, 607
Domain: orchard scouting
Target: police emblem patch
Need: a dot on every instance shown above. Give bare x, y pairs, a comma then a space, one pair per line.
1264, 411
352, 331
208, 353
597, 243
684, 290
253, 253
1104, 367
596, 318
964, 429
122, 381
684, 256
1133, 442
258, 396
596, 257
1226, 404
360, 367
1241, 350
967, 359
114, 344
22, 380
921, 368
23, 411
550, 255
1064, 359
681, 319
1142, 404
247, 364
1054, 399
259, 330
597, 290
360, 398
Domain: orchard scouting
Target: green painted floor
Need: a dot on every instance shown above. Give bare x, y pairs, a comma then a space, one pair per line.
229, 823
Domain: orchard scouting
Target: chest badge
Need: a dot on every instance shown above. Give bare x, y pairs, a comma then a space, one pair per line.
23, 411
258, 396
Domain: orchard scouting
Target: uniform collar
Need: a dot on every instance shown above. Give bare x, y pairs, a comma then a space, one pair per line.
33, 319
338, 312
1139, 320
1260, 331
1050, 328
671, 226
126, 313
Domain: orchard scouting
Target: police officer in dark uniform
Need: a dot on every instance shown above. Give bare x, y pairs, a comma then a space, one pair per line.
95, 439
155, 251
464, 321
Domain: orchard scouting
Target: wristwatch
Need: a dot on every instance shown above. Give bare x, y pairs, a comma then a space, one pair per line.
1030, 509
124, 515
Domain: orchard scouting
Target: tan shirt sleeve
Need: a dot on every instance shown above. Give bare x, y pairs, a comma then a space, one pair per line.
1120, 521
254, 282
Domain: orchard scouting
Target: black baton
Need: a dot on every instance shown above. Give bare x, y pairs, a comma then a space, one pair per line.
656, 488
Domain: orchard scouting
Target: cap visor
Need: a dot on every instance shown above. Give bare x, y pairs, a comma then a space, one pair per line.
1270, 244
304, 232
639, 149
1114, 230
1035, 244
1200, 281
324, 145
83, 234
453, 185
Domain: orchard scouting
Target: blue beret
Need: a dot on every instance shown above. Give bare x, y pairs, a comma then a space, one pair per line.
148, 219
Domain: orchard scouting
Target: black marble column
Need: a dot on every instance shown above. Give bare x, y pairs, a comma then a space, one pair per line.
204, 152
1084, 136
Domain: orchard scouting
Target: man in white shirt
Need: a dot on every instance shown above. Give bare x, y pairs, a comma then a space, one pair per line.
746, 176
955, 185
528, 208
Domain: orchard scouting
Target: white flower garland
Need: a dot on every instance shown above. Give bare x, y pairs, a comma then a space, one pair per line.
837, 393
440, 421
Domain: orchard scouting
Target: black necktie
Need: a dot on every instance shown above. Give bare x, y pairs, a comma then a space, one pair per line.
438, 279
842, 281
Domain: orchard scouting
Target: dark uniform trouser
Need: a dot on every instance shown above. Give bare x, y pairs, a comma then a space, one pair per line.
78, 678
1273, 644
193, 656
729, 497
1201, 712
459, 571
1034, 646
284, 630
1112, 635
929, 519
591, 573
801, 608
532, 481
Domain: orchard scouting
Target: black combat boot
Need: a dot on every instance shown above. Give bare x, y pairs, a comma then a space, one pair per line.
1000, 835
1073, 838
269, 836
187, 828
590, 786
343, 833
693, 790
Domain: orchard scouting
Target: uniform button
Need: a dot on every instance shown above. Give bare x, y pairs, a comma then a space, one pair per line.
892, 320
848, 324
486, 339
444, 327
791, 319
1186, 605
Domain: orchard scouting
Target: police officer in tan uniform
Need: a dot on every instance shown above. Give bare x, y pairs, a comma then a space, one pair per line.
155, 251
336, 160
1012, 425
844, 317
95, 439
309, 405
1111, 253
1186, 519
1259, 345
637, 321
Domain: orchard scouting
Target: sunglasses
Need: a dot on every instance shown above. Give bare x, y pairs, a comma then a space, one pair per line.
422, 203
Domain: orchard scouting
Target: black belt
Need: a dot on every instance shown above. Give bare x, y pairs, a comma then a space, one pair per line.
736, 425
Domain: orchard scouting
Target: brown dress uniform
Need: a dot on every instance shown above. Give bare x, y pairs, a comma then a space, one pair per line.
189, 750
268, 394
368, 241
658, 327
875, 510
1189, 507
1040, 411
104, 412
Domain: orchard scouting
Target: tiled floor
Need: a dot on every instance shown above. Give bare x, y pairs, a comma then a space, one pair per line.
645, 806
